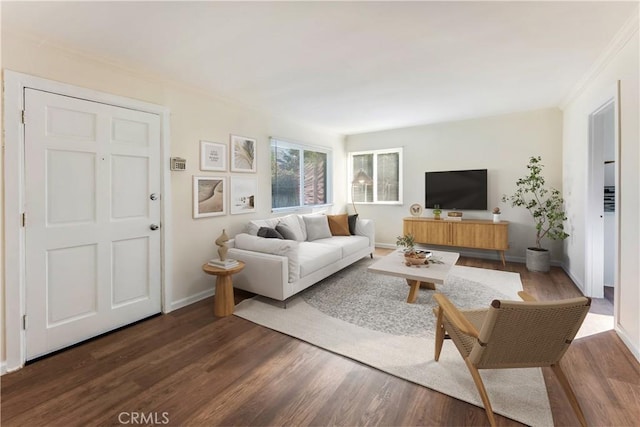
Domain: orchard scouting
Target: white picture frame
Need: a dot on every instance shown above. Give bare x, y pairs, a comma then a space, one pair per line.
213, 156
243, 154
243, 195
209, 196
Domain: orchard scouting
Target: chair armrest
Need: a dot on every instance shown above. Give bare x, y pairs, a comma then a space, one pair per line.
455, 316
526, 297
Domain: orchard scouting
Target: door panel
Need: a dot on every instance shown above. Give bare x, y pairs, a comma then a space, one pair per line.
130, 189
92, 263
130, 283
69, 199
71, 297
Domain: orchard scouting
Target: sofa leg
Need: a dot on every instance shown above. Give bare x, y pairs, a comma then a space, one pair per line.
371, 255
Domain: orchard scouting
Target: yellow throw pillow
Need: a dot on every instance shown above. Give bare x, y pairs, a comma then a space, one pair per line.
339, 225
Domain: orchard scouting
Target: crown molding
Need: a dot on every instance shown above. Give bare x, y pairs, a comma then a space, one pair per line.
622, 37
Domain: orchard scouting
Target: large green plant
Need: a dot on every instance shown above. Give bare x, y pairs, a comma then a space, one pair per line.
545, 205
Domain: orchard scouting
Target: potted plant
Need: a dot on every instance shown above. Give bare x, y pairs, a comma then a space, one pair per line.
546, 208
496, 214
411, 257
436, 211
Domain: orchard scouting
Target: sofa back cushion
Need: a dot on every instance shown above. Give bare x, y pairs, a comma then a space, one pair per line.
254, 225
317, 227
287, 248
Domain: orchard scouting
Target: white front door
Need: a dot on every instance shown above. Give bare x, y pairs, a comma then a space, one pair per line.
92, 190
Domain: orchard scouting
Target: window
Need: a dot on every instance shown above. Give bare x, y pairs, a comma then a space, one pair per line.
376, 176
300, 175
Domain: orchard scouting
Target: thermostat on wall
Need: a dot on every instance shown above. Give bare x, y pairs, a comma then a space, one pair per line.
178, 164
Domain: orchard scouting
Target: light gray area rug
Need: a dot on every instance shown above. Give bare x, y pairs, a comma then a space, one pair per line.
365, 317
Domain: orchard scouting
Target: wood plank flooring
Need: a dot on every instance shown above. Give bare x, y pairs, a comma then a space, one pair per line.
191, 368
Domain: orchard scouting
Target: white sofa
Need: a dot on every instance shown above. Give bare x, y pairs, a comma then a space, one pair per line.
280, 268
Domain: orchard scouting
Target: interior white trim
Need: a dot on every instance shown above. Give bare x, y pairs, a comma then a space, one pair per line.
627, 341
593, 197
14, 267
192, 299
621, 38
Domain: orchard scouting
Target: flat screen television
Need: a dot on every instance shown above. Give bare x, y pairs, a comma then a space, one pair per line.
456, 190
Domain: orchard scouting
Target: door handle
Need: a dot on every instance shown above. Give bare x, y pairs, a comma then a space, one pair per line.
153, 196
154, 226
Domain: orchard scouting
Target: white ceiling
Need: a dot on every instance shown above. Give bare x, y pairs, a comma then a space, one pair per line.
349, 67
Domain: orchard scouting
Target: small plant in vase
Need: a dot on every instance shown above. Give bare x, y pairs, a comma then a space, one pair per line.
436, 211
496, 214
411, 257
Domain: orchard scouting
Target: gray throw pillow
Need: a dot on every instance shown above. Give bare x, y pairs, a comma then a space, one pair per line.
269, 233
293, 223
285, 231
317, 227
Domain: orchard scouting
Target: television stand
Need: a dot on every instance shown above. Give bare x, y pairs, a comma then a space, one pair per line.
467, 233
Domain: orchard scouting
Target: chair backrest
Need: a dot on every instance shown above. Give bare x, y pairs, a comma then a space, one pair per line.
519, 334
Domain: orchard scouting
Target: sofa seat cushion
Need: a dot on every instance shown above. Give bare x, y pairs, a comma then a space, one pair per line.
348, 245
287, 248
313, 256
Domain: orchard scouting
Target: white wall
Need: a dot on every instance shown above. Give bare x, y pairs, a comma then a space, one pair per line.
194, 116
624, 66
501, 144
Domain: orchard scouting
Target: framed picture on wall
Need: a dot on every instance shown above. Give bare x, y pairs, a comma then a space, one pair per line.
243, 154
243, 194
209, 196
213, 156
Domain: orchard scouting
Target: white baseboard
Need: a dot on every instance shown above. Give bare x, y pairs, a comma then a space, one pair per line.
175, 305
3, 367
575, 280
625, 339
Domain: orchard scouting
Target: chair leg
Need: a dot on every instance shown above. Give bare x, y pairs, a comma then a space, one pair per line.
569, 392
483, 392
439, 334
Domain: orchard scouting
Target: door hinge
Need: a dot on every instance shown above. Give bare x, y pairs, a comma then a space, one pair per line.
23, 114
24, 219
24, 322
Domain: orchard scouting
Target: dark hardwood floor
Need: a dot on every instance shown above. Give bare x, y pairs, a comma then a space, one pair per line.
191, 368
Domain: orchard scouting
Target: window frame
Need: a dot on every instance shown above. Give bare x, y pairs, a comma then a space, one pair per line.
374, 178
283, 143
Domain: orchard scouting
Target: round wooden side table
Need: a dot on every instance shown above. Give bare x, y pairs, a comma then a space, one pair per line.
223, 302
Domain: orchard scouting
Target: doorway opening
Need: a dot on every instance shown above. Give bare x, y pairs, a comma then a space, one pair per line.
602, 223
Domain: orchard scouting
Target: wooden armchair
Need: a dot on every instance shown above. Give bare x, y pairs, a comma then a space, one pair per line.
513, 334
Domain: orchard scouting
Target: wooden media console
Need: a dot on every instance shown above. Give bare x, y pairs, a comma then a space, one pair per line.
467, 233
